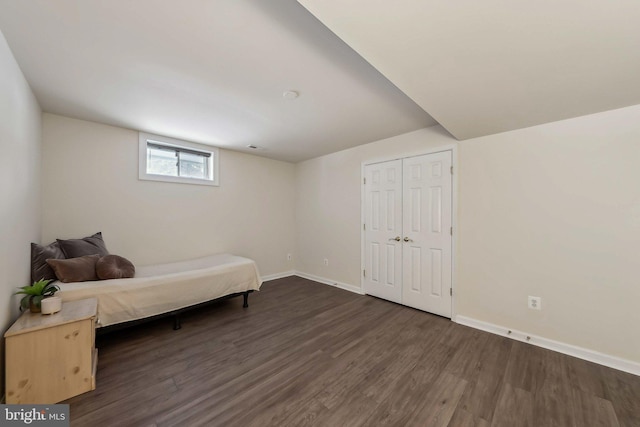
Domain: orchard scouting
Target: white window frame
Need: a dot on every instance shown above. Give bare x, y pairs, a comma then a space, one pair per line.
213, 152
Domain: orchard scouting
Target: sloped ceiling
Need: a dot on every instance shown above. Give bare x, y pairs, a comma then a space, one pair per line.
483, 67
206, 71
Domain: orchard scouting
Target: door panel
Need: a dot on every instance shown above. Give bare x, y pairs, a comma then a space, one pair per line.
414, 276
427, 222
383, 222
436, 272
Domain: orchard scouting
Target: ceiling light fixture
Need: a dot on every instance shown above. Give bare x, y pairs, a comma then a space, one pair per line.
290, 94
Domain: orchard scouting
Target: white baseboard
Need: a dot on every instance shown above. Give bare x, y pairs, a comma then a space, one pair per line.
571, 350
345, 286
278, 275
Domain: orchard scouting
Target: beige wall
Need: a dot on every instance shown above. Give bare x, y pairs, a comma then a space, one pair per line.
92, 185
554, 211
20, 140
550, 211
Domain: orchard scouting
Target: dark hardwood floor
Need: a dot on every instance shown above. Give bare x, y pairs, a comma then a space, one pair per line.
304, 353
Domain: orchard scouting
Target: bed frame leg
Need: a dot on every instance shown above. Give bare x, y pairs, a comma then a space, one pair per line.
245, 296
176, 322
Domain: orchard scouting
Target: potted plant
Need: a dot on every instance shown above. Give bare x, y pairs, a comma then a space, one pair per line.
33, 294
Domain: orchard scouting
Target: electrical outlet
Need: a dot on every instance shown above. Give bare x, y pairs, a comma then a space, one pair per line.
535, 303
326, 262
289, 257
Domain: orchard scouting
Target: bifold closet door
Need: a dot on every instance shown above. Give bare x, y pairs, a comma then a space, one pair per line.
407, 233
426, 253
383, 230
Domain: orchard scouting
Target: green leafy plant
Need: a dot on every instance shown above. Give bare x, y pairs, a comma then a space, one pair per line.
33, 294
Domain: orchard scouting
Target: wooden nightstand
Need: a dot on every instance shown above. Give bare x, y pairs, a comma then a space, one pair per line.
52, 357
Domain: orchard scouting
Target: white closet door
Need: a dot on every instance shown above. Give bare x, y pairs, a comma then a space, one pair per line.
383, 233
427, 192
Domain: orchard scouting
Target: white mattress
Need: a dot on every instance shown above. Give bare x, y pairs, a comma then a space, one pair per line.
162, 288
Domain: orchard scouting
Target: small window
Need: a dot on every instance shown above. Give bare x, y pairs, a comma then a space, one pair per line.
172, 160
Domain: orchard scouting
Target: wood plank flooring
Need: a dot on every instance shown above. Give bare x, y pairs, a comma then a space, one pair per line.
304, 353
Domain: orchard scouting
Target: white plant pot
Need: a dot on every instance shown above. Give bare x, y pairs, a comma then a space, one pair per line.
51, 305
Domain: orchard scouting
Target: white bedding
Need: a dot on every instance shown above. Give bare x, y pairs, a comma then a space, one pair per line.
162, 288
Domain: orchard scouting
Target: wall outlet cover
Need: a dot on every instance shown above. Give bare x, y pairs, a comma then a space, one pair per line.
534, 303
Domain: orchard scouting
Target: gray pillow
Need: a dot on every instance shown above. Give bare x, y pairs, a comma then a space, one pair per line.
92, 245
79, 269
39, 256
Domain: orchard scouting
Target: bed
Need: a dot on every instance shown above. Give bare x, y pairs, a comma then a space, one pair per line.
167, 288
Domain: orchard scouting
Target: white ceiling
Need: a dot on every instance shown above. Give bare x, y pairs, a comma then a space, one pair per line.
206, 71
215, 71
483, 67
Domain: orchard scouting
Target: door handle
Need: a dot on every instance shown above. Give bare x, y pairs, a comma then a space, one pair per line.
397, 239
406, 239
